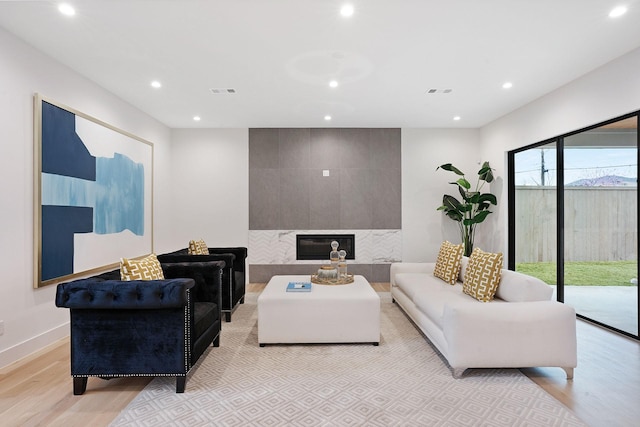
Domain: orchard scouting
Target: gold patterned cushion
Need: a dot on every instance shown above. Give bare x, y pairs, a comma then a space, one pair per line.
448, 262
482, 276
198, 247
147, 268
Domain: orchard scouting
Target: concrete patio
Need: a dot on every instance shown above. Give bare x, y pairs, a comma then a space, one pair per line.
616, 306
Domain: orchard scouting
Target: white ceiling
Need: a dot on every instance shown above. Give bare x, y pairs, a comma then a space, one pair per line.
279, 55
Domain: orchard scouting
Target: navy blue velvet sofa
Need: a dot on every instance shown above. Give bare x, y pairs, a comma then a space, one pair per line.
143, 328
233, 275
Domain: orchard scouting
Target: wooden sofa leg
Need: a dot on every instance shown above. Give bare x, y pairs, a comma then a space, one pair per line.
569, 372
227, 316
216, 342
79, 385
181, 383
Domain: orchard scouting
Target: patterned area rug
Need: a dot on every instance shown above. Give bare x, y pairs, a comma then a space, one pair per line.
402, 382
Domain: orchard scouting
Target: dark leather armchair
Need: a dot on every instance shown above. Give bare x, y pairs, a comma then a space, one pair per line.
233, 275
143, 328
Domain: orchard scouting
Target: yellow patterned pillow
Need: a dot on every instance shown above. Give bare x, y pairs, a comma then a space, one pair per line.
147, 268
482, 276
448, 262
198, 247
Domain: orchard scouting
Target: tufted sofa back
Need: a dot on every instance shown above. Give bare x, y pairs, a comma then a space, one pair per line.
94, 294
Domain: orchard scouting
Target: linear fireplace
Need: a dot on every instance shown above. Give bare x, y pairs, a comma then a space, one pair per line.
318, 246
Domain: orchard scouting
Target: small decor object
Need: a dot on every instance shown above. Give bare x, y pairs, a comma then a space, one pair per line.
448, 262
482, 277
299, 287
327, 272
336, 272
334, 256
342, 264
474, 206
336, 281
147, 268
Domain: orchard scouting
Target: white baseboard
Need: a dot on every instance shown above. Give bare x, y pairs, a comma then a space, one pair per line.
30, 346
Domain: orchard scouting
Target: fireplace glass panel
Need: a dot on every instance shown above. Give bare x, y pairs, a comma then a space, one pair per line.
318, 246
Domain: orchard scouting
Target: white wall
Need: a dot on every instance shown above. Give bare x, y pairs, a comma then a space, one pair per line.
605, 93
30, 317
423, 150
210, 187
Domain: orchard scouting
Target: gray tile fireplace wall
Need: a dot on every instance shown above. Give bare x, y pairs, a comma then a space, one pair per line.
323, 179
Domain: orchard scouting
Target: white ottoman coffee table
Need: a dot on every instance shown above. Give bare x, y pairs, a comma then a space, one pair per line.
328, 314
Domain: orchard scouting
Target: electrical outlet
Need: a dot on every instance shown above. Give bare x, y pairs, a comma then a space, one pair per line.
1, 327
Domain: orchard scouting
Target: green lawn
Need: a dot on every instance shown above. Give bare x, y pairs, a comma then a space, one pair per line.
614, 273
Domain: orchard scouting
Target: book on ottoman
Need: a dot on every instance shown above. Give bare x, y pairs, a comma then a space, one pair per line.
299, 287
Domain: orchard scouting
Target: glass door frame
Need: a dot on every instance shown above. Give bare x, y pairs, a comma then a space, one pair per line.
511, 211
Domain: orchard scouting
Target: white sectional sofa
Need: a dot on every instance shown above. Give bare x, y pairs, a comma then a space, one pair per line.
520, 328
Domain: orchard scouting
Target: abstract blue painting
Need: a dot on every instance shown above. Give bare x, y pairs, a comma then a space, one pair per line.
94, 186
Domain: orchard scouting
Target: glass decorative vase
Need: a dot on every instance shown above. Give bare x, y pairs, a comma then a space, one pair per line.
342, 264
334, 256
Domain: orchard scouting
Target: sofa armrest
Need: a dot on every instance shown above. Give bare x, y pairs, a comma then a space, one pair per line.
510, 334
120, 295
409, 267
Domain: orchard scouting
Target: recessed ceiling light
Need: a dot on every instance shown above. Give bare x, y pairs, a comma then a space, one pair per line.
66, 9
156, 84
456, 118
617, 11
346, 10
333, 83
507, 85
327, 117
196, 118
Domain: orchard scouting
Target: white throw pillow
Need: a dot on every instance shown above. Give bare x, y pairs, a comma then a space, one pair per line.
518, 287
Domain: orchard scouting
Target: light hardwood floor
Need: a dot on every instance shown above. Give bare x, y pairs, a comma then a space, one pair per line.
37, 391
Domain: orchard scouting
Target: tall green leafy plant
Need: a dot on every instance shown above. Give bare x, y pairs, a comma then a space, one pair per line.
473, 208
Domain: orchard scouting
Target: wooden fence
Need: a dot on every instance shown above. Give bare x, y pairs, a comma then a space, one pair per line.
600, 224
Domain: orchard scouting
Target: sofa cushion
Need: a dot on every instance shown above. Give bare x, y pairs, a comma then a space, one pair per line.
448, 262
518, 287
147, 268
440, 295
411, 283
198, 247
482, 277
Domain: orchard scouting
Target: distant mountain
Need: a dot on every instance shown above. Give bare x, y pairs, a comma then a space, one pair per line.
605, 181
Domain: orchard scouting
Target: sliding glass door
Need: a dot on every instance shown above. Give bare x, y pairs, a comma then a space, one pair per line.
573, 220
601, 224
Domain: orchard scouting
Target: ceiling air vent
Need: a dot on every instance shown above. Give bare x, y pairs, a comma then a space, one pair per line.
433, 90
222, 91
